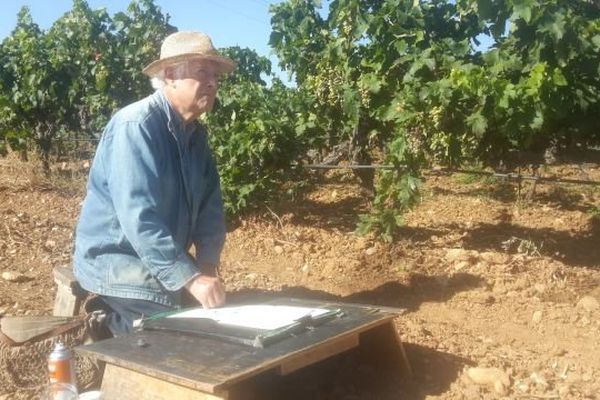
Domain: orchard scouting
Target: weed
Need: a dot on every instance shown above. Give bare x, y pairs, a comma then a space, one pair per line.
405, 267
470, 179
594, 213
522, 246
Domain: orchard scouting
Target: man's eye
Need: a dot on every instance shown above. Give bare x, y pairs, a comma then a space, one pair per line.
202, 72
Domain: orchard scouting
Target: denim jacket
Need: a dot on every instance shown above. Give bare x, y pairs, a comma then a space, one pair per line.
153, 192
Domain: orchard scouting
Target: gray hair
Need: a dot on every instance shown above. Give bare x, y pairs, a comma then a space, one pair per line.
179, 69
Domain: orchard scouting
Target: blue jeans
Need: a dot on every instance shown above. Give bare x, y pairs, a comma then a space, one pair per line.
124, 311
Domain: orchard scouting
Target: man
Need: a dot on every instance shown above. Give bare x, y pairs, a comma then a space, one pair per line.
153, 192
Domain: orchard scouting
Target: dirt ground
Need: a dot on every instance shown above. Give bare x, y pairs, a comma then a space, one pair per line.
501, 285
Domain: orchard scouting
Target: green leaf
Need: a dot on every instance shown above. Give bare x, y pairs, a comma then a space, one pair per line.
555, 26
351, 102
507, 95
522, 10
401, 46
492, 57
399, 220
477, 123
371, 82
391, 111
429, 62
558, 78
485, 9
538, 120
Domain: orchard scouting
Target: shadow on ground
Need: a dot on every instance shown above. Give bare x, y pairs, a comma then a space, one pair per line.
506, 192
354, 375
368, 371
420, 288
341, 214
577, 249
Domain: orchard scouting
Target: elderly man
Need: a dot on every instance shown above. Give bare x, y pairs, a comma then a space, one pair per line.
153, 192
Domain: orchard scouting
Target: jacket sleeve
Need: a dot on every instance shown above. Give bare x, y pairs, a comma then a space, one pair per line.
132, 170
209, 230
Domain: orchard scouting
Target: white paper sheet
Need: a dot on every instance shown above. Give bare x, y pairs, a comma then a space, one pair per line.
253, 316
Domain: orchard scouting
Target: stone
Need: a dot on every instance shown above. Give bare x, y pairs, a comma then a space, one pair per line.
461, 265
13, 276
493, 377
540, 288
370, 251
307, 247
539, 380
587, 376
252, 276
278, 249
564, 390
492, 257
522, 387
588, 303
537, 317
457, 255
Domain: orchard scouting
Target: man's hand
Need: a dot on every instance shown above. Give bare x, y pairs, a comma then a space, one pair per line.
208, 290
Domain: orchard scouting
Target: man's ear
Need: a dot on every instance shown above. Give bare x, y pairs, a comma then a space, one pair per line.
169, 73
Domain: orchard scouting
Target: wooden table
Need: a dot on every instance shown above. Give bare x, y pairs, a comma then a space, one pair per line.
166, 365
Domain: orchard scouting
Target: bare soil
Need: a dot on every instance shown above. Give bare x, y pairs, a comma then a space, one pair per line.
491, 276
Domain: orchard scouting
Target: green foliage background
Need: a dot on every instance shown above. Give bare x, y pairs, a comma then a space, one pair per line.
402, 80
409, 75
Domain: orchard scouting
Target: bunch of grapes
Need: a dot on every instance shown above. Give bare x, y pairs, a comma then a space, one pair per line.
327, 87
436, 114
365, 95
415, 139
346, 28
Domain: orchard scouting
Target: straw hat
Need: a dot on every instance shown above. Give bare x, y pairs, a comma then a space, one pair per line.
181, 46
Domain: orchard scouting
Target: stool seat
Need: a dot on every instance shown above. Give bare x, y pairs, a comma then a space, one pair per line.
69, 294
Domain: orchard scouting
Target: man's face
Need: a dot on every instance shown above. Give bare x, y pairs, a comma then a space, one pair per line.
196, 87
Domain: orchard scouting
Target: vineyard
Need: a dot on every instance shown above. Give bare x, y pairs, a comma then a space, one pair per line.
400, 82
493, 272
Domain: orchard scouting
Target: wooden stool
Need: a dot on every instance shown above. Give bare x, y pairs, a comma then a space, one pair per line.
69, 294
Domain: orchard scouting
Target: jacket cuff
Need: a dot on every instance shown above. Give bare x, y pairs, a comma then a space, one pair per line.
175, 276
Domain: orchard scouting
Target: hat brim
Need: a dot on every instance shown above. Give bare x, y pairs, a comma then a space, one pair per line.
225, 65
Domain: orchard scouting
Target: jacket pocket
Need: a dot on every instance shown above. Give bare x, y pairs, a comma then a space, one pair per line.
127, 272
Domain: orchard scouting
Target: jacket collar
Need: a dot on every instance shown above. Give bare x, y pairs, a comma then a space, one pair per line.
174, 120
